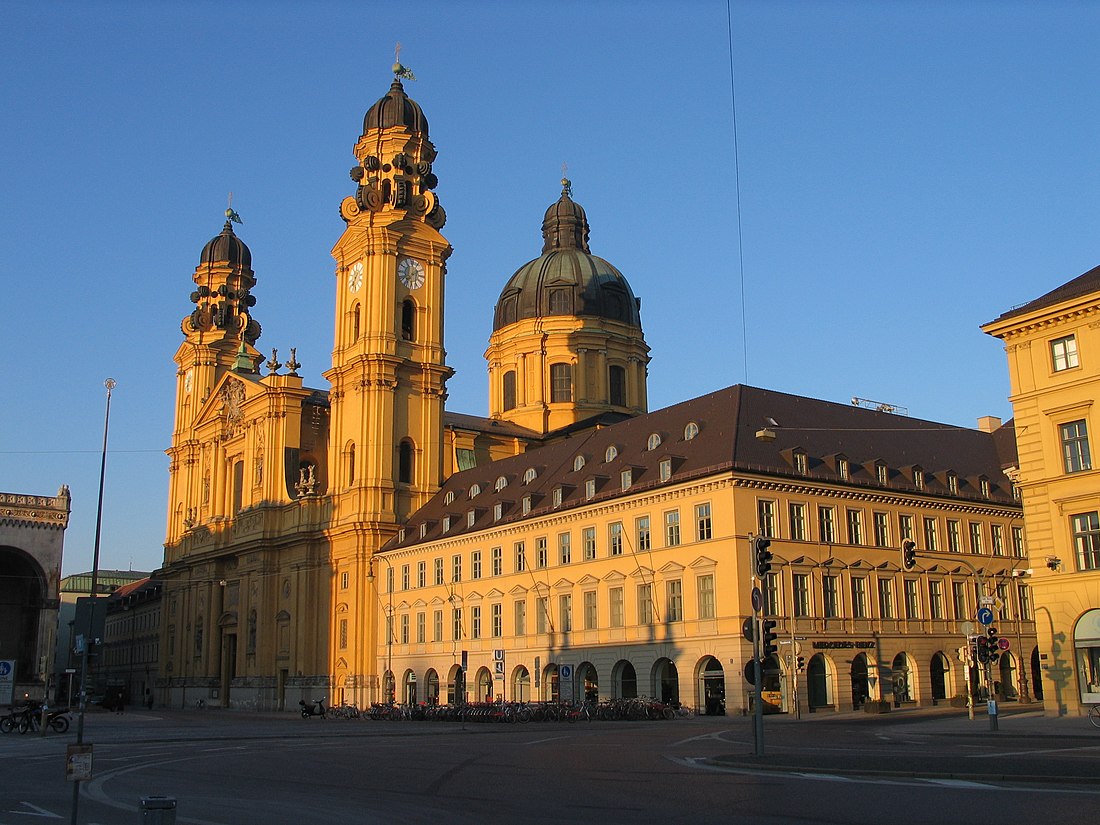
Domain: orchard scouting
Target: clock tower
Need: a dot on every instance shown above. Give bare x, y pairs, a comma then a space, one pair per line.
388, 371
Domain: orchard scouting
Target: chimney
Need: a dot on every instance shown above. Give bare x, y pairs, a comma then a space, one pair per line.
988, 423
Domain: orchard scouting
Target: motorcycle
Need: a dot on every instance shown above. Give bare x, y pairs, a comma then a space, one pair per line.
314, 708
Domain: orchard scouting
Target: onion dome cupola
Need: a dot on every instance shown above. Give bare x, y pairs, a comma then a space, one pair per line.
393, 176
567, 338
223, 296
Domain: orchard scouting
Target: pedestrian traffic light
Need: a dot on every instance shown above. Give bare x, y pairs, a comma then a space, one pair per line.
908, 554
763, 557
768, 637
993, 644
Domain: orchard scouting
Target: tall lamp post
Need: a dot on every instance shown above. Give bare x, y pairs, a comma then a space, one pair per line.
110, 384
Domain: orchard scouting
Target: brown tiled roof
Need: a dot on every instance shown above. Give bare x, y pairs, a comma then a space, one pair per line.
728, 421
1081, 285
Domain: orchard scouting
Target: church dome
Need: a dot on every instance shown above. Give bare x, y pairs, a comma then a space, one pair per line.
567, 279
226, 247
396, 109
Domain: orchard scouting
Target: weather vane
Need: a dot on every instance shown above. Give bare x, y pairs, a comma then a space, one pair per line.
230, 213
566, 185
400, 71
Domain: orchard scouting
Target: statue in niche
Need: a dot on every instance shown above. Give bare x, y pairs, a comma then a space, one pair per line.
307, 481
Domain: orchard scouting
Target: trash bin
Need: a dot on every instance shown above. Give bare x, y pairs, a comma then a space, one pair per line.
158, 810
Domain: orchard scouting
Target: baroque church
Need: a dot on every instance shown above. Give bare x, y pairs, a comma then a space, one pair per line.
363, 543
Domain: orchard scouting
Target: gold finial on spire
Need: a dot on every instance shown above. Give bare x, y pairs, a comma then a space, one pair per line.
230, 214
400, 72
566, 184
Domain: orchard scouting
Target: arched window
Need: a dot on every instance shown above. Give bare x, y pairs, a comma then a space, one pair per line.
475, 490
351, 464
355, 322
691, 430
561, 383
653, 442
405, 462
509, 312
612, 453
616, 382
502, 482
529, 475
450, 497
408, 320
578, 462
508, 390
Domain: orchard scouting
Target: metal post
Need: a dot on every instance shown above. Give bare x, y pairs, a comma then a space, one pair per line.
110, 384
758, 680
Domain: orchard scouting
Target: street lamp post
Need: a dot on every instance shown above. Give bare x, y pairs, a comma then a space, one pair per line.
109, 384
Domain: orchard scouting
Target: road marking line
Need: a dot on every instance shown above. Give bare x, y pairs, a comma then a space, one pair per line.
35, 811
1028, 753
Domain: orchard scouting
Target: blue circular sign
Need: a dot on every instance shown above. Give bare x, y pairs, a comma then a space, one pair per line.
985, 616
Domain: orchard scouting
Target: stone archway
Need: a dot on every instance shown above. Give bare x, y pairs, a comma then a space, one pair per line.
861, 689
939, 669
819, 683
666, 680
711, 689
625, 680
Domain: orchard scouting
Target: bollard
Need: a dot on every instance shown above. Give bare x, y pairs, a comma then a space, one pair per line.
158, 810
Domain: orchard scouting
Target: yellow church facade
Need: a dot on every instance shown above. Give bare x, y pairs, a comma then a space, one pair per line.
363, 543
1051, 343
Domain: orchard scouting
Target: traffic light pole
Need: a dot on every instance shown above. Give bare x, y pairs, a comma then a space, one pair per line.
758, 685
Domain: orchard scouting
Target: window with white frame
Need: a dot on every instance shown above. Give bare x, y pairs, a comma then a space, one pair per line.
525, 505
770, 590
801, 588
855, 526
565, 612
421, 628
881, 524
859, 597
830, 596
564, 548
475, 622
1075, 446
475, 565
588, 543
1063, 353
705, 587
882, 473
590, 488
674, 600
615, 606
1086, 540
521, 556
703, 528
421, 573
796, 515
626, 478
997, 539
935, 599
437, 626
912, 599
800, 463
905, 527
615, 538
496, 619
958, 601
1023, 593
672, 528
645, 604
456, 623
975, 536
886, 598
641, 525
471, 517
826, 524
542, 614
591, 614
1018, 542
954, 536
439, 570
664, 469
541, 552
765, 517
952, 483
496, 558
931, 543
519, 615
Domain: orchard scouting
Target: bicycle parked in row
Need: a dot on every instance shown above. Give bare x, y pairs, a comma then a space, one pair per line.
29, 718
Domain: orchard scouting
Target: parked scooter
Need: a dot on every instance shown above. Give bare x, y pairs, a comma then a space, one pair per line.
314, 708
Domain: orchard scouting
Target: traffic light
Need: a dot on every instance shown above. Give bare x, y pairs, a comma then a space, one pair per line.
981, 645
801, 663
763, 557
993, 644
908, 554
767, 638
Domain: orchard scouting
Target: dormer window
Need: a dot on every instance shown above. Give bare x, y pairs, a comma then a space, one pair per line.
918, 478
401, 534
690, 431
557, 496
626, 478
525, 505
983, 484
529, 475
502, 482
423, 529
801, 465
952, 483
471, 517
498, 511
842, 468
578, 463
450, 497
653, 442
590, 488
882, 473
475, 490
611, 454
446, 524
665, 469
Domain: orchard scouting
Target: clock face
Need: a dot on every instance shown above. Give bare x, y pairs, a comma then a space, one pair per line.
411, 273
355, 276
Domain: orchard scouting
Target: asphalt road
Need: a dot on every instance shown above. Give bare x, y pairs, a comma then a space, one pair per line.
227, 768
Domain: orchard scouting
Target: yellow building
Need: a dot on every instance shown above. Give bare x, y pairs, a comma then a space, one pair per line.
1054, 382
364, 543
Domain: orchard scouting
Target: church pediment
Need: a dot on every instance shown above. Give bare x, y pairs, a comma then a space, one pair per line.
225, 406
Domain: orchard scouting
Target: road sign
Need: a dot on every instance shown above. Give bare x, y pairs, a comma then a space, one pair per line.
966, 628
1002, 643
746, 629
78, 763
465, 660
498, 654
985, 616
757, 599
985, 600
750, 671
565, 671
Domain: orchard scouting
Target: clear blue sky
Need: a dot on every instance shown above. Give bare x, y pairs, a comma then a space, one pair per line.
908, 172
